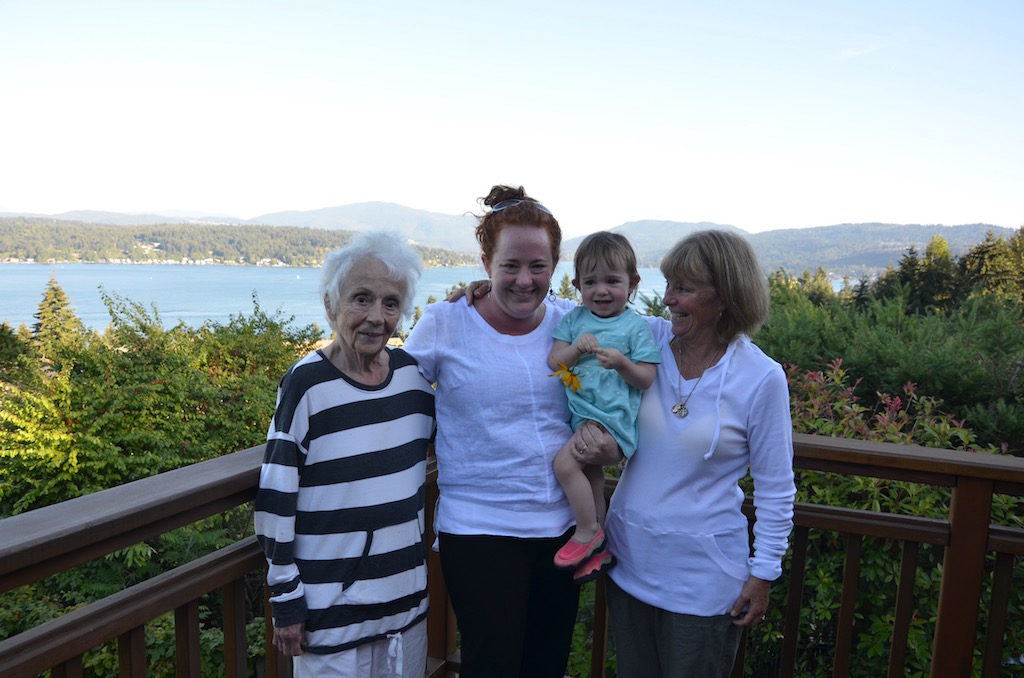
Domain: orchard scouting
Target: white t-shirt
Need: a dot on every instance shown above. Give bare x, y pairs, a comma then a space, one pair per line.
501, 419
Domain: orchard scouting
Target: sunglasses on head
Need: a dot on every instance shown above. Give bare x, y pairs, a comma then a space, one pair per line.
505, 204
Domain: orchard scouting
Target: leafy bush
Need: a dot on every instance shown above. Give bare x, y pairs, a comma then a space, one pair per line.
81, 412
970, 360
825, 403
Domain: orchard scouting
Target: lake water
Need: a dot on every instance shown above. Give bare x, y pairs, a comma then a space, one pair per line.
196, 294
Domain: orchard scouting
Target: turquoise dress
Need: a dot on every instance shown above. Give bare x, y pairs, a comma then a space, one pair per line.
604, 396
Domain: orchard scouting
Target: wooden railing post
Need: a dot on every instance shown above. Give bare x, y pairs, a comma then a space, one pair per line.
599, 639
904, 610
235, 646
131, 653
277, 665
963, 569
847, 605
69, 669
187, 652
441, 633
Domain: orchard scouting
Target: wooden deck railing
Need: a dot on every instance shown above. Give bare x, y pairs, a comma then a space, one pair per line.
53, 539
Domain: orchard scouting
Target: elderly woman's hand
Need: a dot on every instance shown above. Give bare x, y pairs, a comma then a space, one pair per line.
749, 608
288, 639
596, 446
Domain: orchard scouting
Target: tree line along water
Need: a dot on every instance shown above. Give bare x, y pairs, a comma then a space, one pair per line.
195, 294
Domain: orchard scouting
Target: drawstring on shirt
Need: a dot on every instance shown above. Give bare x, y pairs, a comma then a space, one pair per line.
724, 367
394, 666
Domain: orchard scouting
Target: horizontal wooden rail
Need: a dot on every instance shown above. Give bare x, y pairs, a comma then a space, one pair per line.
57, 641
907, 462
870, 524
39, 543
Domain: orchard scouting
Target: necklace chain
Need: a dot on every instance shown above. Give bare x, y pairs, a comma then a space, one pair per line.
679, 409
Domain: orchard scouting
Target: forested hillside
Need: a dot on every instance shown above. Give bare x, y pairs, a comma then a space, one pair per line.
852, 250
855, 251
47, 240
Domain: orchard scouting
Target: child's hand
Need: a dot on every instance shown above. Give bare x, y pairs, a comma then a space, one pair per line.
586, 343
611, 358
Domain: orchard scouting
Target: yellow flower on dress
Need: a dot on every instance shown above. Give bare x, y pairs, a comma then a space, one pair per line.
567, 376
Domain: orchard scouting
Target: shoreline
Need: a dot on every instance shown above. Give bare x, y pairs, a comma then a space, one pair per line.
189, 262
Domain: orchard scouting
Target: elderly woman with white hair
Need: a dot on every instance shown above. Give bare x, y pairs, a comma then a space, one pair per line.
340, 505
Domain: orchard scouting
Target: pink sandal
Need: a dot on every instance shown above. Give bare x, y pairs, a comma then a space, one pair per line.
573, 552
594, 567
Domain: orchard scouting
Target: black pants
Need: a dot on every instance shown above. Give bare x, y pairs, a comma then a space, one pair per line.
515, 610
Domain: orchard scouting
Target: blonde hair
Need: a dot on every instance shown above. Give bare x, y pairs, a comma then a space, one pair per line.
727, 262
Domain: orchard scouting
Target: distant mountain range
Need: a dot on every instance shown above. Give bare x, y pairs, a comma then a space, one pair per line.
854, 250
446, 231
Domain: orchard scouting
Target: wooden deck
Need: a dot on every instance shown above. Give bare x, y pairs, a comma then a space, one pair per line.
979, 561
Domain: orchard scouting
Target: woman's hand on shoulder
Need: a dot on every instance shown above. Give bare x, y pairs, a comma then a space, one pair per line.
473, 291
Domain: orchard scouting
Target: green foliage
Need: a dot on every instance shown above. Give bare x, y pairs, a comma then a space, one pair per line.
583, 638
969, 357
81, 412
160, 650
825, 403
26, 607
138, 400
457, 288
566, 290
654, 306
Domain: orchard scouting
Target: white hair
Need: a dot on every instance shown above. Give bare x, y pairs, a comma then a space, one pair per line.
401, 261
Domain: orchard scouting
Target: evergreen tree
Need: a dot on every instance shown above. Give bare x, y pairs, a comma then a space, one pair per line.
57, 328
909, 276
862, 294
937, 280
990, 266
817, 286
566, 289
654, 306
886, 285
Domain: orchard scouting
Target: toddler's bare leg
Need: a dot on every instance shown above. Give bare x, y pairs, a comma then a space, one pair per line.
595, 475
579, 490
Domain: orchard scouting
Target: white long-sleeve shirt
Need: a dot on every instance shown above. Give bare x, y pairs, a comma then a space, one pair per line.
675, 522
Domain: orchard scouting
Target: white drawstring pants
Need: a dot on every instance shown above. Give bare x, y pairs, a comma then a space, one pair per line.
400, 655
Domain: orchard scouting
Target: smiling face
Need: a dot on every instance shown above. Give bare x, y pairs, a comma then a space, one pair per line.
695, 309
605, 289
520, 270
369, 307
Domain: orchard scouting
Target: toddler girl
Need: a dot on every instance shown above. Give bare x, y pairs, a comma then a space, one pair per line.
606, 356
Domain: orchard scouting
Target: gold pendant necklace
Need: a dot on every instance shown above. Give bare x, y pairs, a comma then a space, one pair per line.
679, 409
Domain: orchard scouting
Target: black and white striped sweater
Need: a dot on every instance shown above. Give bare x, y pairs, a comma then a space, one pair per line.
340, 505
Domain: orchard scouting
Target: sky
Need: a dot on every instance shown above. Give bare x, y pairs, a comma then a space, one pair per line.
760, 115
